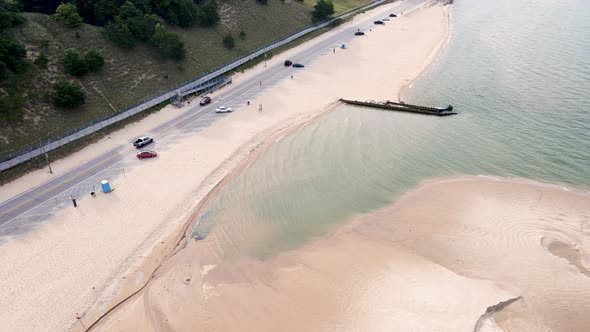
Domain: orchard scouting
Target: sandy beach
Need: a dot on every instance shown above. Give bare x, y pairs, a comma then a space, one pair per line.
460, 254
83, 261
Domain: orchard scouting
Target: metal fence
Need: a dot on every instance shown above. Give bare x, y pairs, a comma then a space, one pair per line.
15, 158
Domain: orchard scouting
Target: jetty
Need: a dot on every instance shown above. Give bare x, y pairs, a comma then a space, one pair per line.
402, 107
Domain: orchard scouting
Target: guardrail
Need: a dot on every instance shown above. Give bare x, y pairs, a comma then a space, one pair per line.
15, 158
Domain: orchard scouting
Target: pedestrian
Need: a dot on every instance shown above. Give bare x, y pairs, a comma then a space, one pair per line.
334, 50
260, 83
291, 76
260, 108
248, 103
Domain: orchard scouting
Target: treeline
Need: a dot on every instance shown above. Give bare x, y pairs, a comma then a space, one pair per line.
183, 13
128, 21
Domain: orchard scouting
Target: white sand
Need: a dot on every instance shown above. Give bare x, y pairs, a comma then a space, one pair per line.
80, 259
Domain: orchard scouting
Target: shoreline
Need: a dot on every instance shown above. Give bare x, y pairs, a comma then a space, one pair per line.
432, 58
161, 235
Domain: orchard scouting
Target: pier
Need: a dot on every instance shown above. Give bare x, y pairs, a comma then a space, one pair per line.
402, 107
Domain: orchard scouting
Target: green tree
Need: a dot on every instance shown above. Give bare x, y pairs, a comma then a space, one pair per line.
13, 54
242, 35
128, 10
322, 10
9, 16
168, 44
228, 41
41, 60
119, 33
68, 12
68, 94
208, 15
143, 27
74, 63
106, 10
93, 60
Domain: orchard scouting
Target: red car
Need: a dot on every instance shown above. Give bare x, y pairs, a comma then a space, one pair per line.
146, 154
205, 101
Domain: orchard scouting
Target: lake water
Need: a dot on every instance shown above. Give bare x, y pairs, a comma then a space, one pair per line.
518, 72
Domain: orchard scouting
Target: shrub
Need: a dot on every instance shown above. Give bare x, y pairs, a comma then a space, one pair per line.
242, 35
322, 10
119, 33
73, 63
44, 42
41, 61
208, 15
68, 12
12, 54
3, 71
93, 60
262, 2
10, 109
68, 94
228, 41
168, 44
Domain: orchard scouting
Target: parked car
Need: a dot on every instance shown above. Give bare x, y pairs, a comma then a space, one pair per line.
288, 63
359, 33
142, 141
223, 109
205, 101
392, 15
298, 65
146, 154
378, 22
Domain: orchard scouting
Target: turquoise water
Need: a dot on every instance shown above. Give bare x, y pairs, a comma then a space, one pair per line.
518, 72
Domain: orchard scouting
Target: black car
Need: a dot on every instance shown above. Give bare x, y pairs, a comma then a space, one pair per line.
288, 63
378, 22
298, 65
359, 33
392, 15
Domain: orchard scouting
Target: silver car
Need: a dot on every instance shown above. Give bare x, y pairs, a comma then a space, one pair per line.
223, 109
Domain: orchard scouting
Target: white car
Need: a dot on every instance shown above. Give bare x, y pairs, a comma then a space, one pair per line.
223, 109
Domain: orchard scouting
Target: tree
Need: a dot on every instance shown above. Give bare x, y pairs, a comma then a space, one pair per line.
74, 63
242, 35
93, 60
40, 6
68, 94
143, 27
106, 10
322, 10
208, 15
129, 10
3, 71
262, 2
68, 12
13, 54
119, 33
41, 60
168, 44
228, 41
9, 16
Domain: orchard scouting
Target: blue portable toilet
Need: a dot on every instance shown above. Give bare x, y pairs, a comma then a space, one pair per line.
106, 186
343, 46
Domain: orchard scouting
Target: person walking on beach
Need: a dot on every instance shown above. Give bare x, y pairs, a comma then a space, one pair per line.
260, 108
291, 76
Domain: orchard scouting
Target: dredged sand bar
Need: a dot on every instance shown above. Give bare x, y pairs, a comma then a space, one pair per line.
86, 259
460, 254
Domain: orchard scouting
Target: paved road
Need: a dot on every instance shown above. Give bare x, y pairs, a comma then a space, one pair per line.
29, 208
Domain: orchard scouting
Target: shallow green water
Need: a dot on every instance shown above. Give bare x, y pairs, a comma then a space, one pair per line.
517, 71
